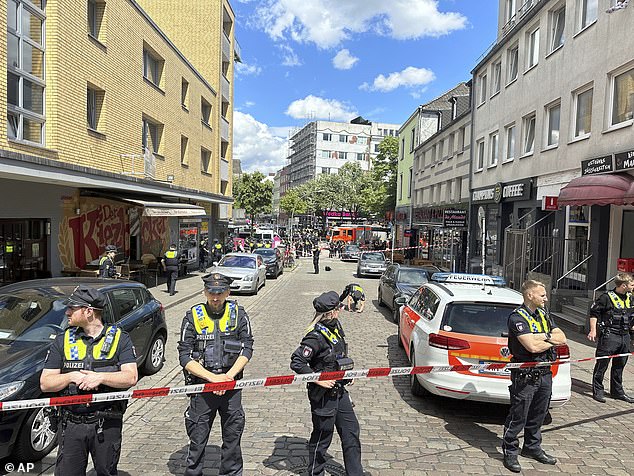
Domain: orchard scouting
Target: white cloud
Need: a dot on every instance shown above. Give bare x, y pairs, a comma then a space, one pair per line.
244, 69
313, 107
410, 77
329, 22
289, 57
256, 145
344, 60
249, 104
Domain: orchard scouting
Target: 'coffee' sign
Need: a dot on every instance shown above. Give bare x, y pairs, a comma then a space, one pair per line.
624, 160
597, 166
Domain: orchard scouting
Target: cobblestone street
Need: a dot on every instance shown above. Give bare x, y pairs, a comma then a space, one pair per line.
401, 434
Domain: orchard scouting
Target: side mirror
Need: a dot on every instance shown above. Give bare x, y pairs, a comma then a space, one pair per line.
215, 263
400, 301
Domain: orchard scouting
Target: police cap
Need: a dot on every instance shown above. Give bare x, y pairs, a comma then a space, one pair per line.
84, 296
110, 248
326, 302
217, 283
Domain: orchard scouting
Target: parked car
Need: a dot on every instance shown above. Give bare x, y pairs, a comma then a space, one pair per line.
350, 253
461, 319
273, 259
371, 263
32, 313
247, 270
400, 281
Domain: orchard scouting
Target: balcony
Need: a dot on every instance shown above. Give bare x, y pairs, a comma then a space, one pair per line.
237, 51
224, 170
225, 88
226, 47
224, 129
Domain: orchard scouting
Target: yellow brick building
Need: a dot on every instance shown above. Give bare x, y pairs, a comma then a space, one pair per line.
117, 131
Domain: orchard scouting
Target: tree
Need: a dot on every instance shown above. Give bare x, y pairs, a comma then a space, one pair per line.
354, 181
253, 193
385, 170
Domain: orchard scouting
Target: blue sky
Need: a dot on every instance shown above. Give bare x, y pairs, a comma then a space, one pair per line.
336, 59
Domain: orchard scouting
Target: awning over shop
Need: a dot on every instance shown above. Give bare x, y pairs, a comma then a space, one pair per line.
606, 189
166, 209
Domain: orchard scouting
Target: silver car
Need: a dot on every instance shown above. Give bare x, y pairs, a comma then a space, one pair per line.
247, 270
372, 263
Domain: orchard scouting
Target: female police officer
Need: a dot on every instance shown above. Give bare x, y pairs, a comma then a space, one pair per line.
324, 349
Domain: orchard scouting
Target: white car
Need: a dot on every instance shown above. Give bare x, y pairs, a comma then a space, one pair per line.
247, 270
460, 319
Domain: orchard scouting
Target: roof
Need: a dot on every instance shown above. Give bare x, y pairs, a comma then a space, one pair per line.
477, 293
57, 283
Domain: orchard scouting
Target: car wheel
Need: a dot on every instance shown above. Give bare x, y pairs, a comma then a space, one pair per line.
381, 303
414, 385
36, 439
155, 356
257, 288
281, 270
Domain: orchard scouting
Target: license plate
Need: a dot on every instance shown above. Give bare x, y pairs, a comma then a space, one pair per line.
501, 372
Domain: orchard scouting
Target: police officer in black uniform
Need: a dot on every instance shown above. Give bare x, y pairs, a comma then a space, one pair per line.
611, 321
89, 358
324, 349
532, 338
355, 297
107, 268
216, 344
316, 253
170, 264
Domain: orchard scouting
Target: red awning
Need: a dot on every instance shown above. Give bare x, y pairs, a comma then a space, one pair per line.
607, 189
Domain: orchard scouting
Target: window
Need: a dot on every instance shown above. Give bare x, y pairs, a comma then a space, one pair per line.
529, 134
493, 149
125, 301
327, 137
588, 11
94, 104
96, 11
433, 154
558, 22
343, 138
360, 156
510, 143
343, 155
184, 149
553, 113
400, 186
622, 97
363, 140
483, 88
532, 53
512, 59
205, 111
410, 183
325, 170
325, 154
376, 148
451, 145
152, 67
412, 140
497, 77
480, 156
583, 113
402, 149
205, 159
184, 93
510, 10
25, 71
461, 135
152, 132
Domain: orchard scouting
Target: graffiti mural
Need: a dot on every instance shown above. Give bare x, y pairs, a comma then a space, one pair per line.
154, 235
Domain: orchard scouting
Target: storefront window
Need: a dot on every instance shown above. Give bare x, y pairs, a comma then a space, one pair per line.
188, 241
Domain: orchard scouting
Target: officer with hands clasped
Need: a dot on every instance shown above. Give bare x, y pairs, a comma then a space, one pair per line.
324, 349
216, 344
611, 321
107, 268
532, 338
89, 358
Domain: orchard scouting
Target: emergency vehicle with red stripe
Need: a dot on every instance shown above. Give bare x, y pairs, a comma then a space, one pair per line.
461, 319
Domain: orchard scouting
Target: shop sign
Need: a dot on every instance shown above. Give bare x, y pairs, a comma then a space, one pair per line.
624, 160
433, 215
455, 218
500, 192
550, 203
597, 165
338, 214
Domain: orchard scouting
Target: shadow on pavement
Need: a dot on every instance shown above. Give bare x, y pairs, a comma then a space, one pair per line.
176, 463
579, 338
581, 387
384, 310
290, 455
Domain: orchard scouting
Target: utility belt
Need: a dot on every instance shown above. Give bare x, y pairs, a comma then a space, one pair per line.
529, 375
93, 417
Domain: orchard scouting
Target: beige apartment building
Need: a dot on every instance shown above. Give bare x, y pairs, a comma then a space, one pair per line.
117, 132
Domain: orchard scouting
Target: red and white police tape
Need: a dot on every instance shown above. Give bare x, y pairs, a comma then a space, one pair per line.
277, 380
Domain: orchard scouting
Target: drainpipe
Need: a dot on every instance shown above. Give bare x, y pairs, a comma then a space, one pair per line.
471, 153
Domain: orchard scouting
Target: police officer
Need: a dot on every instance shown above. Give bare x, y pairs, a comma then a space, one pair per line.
532, 338
611, 320
217, 250
316, 253
89, 358
216, 344
354, 294
170, 265
324, 349
107, 267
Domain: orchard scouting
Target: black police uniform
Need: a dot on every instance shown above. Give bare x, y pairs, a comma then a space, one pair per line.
615, 315
530, 389
354, 290
316, 253
217, 350
92, 428
170, 260
107, 268
324, 349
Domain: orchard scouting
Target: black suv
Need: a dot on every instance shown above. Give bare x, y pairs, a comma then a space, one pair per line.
32, 313
399, 281
273, 260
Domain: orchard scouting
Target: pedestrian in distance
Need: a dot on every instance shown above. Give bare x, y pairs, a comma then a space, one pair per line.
316, 253
532, 338
89, 358
203, 255
324, 349
170, 266
354, 297
217, 250
216, 344
611, 323
107, 268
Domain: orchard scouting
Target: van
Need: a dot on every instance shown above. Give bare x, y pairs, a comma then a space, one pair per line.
267, 235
